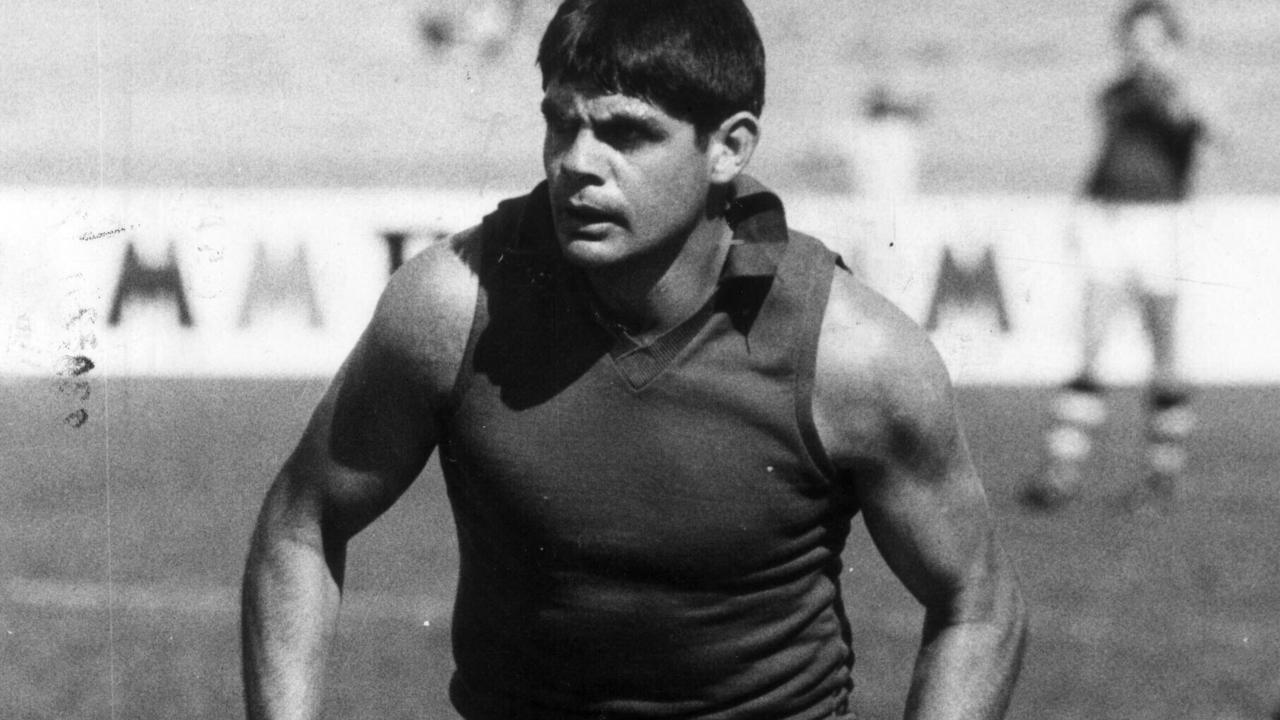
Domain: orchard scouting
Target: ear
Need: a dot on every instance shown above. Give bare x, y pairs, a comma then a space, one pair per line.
731, 145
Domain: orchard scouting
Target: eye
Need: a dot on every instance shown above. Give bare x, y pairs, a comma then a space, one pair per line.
626, 134
621, 138
560, 125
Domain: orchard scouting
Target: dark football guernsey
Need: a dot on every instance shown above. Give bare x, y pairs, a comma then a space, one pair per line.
1148, 151
646, 532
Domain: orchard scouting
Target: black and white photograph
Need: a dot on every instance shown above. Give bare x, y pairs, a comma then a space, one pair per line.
640, 359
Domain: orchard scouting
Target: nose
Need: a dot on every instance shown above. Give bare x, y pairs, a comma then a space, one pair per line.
581, 156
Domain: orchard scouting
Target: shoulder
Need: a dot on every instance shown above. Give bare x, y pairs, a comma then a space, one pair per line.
879, 381
865, 337
435, 284
424, 316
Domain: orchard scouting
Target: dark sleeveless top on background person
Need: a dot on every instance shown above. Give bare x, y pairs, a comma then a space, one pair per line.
1149, 149
646, 531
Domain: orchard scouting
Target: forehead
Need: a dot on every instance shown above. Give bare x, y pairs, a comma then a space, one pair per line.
588, 101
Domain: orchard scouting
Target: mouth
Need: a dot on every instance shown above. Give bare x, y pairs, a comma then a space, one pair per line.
577, 217
586, 214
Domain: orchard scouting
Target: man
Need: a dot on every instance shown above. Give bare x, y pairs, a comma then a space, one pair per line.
657, 410
1126, 237
885, 148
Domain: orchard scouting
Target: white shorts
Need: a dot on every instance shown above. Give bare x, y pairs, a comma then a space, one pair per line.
1128, 245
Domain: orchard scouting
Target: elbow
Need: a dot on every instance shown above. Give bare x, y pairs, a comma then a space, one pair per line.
291, 530
1012, 620
1012, 608
1006, 616
1009, 608
995, 608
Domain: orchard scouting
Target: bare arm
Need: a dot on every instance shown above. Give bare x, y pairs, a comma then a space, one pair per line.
368, 439
886, 412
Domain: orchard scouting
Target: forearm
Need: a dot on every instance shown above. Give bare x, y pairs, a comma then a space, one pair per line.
968, 669
289, 612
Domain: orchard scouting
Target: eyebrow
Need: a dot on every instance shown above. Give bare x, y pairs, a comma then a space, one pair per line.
633, 121
625, 116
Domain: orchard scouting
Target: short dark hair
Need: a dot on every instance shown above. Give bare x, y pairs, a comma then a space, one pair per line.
1159, 9
699, 60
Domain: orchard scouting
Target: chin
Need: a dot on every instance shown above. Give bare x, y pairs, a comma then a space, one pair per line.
592, 249
590, 254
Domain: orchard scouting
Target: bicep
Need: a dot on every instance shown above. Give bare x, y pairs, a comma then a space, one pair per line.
374, 430
886, 413
367, 440
928, 516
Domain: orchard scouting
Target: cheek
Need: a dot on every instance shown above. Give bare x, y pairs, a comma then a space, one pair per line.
676, 190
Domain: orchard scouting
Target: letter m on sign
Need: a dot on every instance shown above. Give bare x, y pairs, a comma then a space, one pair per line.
138, 279
968, 288
273, 284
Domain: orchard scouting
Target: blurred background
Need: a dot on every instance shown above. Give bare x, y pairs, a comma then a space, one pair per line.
409, 92
201, 202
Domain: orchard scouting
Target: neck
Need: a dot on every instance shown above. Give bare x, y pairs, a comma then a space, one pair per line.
655, 294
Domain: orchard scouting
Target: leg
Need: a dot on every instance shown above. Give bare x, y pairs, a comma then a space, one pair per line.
1098, 248
1169, 418
1078, 409
1102, 300
1159, 314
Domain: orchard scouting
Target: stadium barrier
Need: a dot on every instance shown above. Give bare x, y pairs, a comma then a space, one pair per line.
280, 282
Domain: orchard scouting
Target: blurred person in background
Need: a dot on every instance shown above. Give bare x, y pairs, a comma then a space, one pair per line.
658, 410
881, 146
1125, 236
884, 149
487, 26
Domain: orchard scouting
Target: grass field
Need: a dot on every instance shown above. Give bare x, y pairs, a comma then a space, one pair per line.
123, 541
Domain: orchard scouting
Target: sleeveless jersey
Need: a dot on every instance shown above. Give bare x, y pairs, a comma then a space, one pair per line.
646, 531
1148, 151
